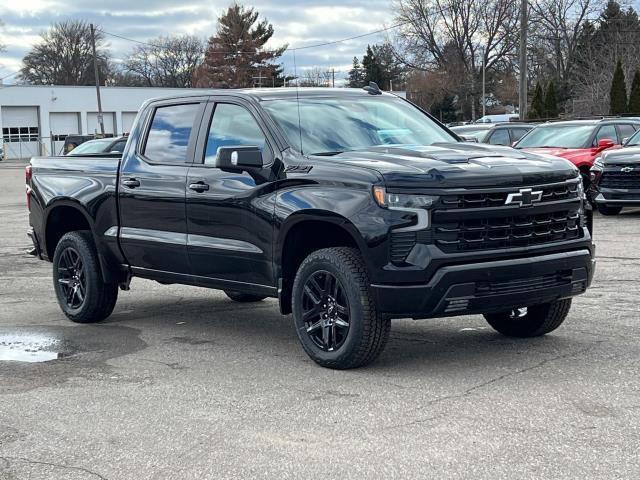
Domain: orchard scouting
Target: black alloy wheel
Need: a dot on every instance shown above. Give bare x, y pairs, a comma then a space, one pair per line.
72, 278
325, 311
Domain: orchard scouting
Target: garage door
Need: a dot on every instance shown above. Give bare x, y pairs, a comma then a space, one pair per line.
63, 124
108, 119
20, 132
127, 121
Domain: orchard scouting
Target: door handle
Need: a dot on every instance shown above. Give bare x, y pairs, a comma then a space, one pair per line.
131, 183
199, 187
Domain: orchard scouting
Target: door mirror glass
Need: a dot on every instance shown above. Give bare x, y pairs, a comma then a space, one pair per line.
239, 158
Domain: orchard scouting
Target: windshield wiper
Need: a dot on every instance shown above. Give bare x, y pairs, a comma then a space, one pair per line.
327, 154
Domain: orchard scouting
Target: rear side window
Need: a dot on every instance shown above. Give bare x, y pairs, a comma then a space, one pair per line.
169, 133
517, 133
500, 136
118, 146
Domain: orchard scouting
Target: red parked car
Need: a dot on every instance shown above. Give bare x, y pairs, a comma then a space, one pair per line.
579, 141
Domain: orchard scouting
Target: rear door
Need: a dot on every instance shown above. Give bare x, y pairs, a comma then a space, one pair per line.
230, 213
152, 183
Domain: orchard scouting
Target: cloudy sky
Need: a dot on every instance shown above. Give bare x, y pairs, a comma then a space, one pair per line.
297, 23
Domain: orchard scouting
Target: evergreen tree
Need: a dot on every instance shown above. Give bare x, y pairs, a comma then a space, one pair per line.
236, 55
634, 96
618, 93
356, 75
371, 67
550, 101
537, 103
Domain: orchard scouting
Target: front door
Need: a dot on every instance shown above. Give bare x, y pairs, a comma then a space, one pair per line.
152, 183
230, 214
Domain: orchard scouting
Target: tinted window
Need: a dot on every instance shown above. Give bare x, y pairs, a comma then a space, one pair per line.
626, 131
500, 136
232, 125
518, 133
169, 134
608, 132
118, 146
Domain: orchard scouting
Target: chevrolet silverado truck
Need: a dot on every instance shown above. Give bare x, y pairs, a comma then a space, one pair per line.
352, 207
615, 178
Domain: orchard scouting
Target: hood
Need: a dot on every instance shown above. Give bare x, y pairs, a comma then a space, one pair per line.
571, 154
462, 164
622, 155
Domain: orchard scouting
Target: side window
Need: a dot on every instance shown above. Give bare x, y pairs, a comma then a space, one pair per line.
118, 146
169, 133
607, 131
625, 130
517, 133
233, 125
500, 136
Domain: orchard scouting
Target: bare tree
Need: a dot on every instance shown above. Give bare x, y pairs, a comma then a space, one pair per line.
165, 62
555, 32
315, 77
64, 56
459, 35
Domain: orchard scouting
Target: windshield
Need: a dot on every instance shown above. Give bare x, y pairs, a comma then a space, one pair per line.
634, 140
335, 125
558, 136
92, 146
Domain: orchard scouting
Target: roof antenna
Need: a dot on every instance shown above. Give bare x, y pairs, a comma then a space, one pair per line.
373, 89
295, 74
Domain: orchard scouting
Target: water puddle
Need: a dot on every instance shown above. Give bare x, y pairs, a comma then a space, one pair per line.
28, 348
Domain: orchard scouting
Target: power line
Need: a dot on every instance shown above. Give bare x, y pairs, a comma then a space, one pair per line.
240, 52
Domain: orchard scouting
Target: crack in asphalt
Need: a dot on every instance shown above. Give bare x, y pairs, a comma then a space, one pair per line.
50, 464
491, 381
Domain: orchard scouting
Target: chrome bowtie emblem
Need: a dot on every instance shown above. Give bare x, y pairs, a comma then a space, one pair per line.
626, 169
524, 198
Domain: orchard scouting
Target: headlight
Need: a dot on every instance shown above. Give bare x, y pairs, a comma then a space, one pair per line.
402, 200
580, 188
599, 164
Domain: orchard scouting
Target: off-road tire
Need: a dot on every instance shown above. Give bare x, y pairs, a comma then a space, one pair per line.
243, 297
607, 210
368, 330
539, 320
100, 297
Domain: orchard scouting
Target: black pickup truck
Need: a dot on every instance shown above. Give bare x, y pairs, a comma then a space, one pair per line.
352, 207
615, 178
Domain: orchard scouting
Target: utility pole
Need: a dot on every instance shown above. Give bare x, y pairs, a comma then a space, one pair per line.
524, 24
97, 75
333, 77
484, 89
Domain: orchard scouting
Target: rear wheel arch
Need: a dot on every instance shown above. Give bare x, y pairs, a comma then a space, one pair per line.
64, 217
304, 235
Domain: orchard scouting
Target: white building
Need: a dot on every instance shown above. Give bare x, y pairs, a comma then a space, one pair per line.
35, 120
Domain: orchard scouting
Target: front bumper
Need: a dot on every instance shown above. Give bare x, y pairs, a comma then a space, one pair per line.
618, 198
488, 287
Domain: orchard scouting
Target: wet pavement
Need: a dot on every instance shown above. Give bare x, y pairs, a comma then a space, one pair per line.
182, 383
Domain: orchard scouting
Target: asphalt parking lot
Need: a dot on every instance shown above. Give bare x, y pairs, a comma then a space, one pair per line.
182, 383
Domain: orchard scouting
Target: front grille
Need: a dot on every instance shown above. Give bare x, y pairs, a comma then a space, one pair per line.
619, 179
509, 231
550, 193
523, 285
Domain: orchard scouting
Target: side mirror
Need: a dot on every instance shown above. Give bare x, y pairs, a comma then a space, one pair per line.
469, 138
605, 143
625, 140
239, 158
